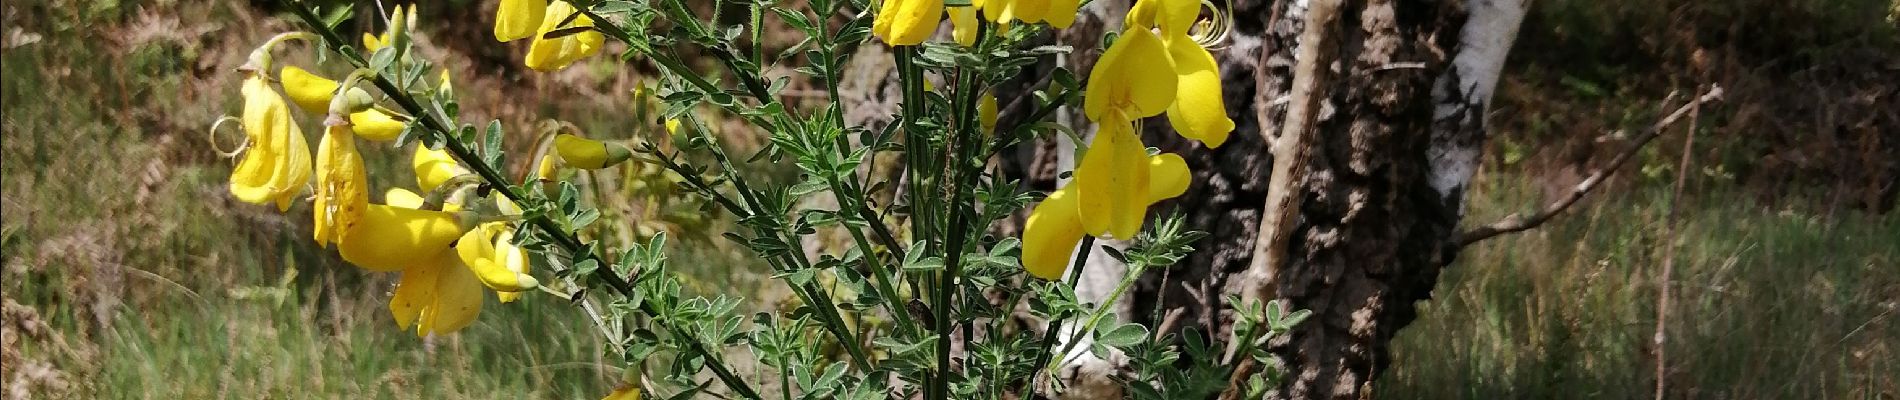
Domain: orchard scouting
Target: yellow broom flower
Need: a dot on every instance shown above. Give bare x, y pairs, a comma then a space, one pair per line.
313, 92
434, 167
342, 185
392, 238
1054, 227
1116, 161
1134, 78
1198, 111
517, 19
277, 164
963, 25
376, 125
546, 54
907, 22
482, 250
435, 295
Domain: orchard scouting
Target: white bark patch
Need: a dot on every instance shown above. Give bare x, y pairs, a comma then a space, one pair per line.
1464, 93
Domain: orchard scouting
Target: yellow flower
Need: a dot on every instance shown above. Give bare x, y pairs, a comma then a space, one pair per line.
907, 22
584, 153
434, 167
277, 164
553, 54
1053, 228
310, 91
488, 252
391, 238
516, 19
1198, 112
963, 25
376, 125
435, 294
342, 185
1116, 161
1058, 13
1134, 78
1195, 108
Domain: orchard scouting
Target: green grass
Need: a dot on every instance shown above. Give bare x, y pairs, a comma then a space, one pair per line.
1768, 303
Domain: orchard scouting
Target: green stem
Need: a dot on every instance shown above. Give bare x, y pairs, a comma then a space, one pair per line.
1055, 323
1134, 273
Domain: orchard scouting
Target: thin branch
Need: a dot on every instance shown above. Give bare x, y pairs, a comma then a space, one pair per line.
1518, 223
1671, 229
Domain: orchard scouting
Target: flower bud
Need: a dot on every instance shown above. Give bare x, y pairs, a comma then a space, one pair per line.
584, 153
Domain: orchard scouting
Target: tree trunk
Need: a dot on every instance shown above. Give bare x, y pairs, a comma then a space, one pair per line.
1396, 136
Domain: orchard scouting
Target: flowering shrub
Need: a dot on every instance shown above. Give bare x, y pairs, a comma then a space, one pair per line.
922, 274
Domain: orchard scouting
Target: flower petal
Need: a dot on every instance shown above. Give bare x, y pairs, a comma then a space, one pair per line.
554, 54
516, 19
1050, 234
1134, 77
389, 238
277, 165
376, 125
434, 167
1168, 176
1198, 112
415, 291
963, 25
310, 91
458, 300
1115, 163
342, 186
907, 22
477, 251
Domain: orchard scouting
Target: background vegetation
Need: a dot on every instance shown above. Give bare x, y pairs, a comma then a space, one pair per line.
129, 273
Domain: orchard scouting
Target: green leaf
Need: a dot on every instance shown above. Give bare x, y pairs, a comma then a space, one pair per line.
1122, 336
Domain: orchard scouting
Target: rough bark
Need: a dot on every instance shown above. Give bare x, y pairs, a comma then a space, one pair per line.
1372, 232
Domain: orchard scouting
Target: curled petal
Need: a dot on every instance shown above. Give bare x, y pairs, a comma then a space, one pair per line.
1134, 77
1198, 112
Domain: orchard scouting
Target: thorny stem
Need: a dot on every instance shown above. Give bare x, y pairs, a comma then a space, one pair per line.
467, 157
